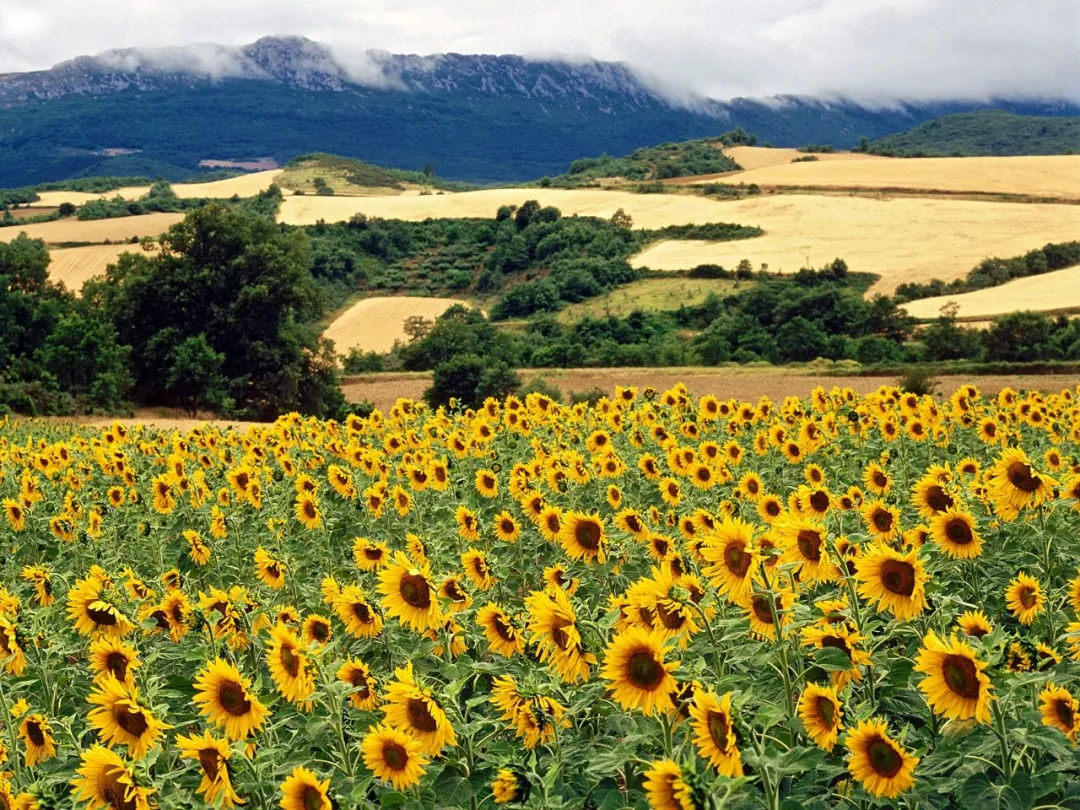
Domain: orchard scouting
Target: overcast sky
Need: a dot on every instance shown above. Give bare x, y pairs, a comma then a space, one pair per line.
869, 49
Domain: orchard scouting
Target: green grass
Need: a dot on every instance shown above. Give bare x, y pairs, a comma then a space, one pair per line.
652, 295
986, 132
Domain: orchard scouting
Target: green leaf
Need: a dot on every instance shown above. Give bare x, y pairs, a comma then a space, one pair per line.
393, 799
832, 659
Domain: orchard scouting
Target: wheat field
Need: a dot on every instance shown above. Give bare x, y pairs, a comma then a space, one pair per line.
374, 324
1050, 292
759, 157
73, 267
1035, 175
120, 229
245, 185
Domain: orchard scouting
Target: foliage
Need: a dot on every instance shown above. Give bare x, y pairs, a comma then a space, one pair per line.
468, 380
985, 132
361, 173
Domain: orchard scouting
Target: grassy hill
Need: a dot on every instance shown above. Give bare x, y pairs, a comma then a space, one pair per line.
986, 132
319, 172
662, 162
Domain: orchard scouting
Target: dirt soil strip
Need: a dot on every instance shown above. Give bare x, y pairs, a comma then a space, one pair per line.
744, 384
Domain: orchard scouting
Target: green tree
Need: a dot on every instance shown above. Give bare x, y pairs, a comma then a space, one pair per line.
194, 378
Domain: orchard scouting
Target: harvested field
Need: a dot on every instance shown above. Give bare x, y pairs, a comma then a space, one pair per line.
1050, 292
741, 383
1036, 175
53, 199
651, 295
74, 266
373, 324
759, 157
245, 185
95, 231
901, 240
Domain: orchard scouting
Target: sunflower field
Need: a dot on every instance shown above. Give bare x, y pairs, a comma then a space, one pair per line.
654, 601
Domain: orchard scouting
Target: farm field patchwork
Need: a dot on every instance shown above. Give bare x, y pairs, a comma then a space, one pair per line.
760, 157
374, 324
1049, 292
1035, 175
651, 295
120, 229
651, 601
245, 185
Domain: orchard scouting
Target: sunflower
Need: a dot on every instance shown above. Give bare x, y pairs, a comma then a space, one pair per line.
876, 479
583, 537
634, 665
974, 623
555, 577
882, 520
467, 522
1060, 710
487, 483
506, 527
307, 510
878, 762
1015, 484
36, 734
11, 651
121, 719
316, 630
106, 781
953, 530
955, 685
111, 656
475, 564
393, 756
223, 696
289, 665
839, 636
713, 729
271, 571
770, 508
302, 790
550, 523
412, 708
666, 789
734, 560
357, 675
199, 551
360, 617
504, 638
408, 594
92, 615
553, 629
1025, 598
15, 514
212, 753
895, 581
764, 611
507, 787
41, 578
821, 715
370, 555
804, 542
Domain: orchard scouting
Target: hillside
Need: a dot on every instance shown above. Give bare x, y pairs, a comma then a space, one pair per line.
477, 117
985, 133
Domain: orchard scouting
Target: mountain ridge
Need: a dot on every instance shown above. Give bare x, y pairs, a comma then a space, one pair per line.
478, 118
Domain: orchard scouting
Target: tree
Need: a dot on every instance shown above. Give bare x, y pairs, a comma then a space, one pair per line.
621, 219
67, 209
194, 379
1019, 337
800, 340
417, 327
468, 380
429, 169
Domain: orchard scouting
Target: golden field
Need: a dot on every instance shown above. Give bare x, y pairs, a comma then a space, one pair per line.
374, 324
1050, 292
245, 185
760, 157
901, 239
1056, 176
120, 229
73, 267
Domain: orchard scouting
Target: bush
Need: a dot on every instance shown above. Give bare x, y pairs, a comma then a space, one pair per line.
917, 381
468, 380
358, 362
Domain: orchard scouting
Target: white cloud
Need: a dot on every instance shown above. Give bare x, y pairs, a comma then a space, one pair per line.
870, 49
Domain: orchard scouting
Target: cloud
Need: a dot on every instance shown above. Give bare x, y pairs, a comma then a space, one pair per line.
873, 50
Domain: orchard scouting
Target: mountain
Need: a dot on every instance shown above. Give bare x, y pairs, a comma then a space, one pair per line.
986, 132
478, 118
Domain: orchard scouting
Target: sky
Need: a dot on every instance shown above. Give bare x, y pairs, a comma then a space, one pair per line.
863, 49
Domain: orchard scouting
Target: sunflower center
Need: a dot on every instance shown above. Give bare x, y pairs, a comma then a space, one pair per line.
209, 759
938, 499
644, 671
1064, 711
133, 722
883, 520
880, 479
660, 545
34, 732
420, 717
320, 631
233, 699
736, 559
504, 629
961, 676
1027, 596
289, 660
507, 527
374, 554
102, 615
114, 794
117, 663
720, 729
819, 501
836, 643
772, 508
414, 590
898, 577
809, 542
671, 619
395, 756
761, 608
959, 532
1021, 477
454, 592
826, 711
559, 635
588, 534
309, 510
884, 758
311, 799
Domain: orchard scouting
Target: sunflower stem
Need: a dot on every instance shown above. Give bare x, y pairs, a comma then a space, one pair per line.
1003, 739
9, 724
